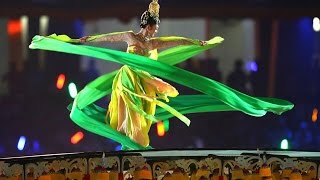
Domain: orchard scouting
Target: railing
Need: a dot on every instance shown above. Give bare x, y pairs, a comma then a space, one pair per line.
163, 164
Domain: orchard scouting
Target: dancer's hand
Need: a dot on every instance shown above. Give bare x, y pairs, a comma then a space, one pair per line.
203, 43
84, 39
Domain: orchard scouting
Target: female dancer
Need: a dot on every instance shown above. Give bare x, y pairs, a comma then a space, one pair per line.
134, 86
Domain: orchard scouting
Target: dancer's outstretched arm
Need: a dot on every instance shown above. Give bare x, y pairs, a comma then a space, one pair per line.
111, 37
165, 42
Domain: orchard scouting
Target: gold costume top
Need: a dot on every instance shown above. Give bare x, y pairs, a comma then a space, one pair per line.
152, 54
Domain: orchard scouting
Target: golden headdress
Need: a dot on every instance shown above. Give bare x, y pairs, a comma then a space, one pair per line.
152, 12
154, 8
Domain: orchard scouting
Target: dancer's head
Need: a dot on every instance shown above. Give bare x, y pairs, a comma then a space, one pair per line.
150, 18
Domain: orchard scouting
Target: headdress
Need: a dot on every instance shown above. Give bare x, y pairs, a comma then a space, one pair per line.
152, 12
154, 8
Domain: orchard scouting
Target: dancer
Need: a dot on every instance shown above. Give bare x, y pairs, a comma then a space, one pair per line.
133, 87
136, 94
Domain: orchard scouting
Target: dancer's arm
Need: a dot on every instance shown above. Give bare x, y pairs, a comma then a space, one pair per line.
111, 37
165, 42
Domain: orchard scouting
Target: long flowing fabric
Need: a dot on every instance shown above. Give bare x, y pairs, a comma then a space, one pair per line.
216, 96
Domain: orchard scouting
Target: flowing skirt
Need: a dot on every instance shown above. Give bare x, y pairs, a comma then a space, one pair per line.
133, 96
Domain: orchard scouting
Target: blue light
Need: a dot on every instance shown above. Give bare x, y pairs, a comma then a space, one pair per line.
289, 134
36, 146
118, 148
78, 25
305, 26
21, 143
304, 39
303, 125
251, 66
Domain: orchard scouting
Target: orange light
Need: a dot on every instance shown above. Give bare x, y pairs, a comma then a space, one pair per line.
77, 137
14, 27
160, 128
314, 115
60, 81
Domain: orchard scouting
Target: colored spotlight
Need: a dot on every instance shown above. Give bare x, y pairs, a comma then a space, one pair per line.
118, 148
316, 24
14, 27
60, 81
77, 137
166, 124
73, 90
160, 128
284, 144
251, 66
21, 143
314, 116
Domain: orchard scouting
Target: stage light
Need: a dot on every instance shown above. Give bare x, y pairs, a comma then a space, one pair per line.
118, 148
77, 137
21, 143
14, 27
284, 144
160, 129
314, 115
60, 81
166, 124
24, 20
251, 66
316, 24
73, 90
44, 24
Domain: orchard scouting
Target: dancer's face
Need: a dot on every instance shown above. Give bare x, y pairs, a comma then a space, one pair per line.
152, 30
